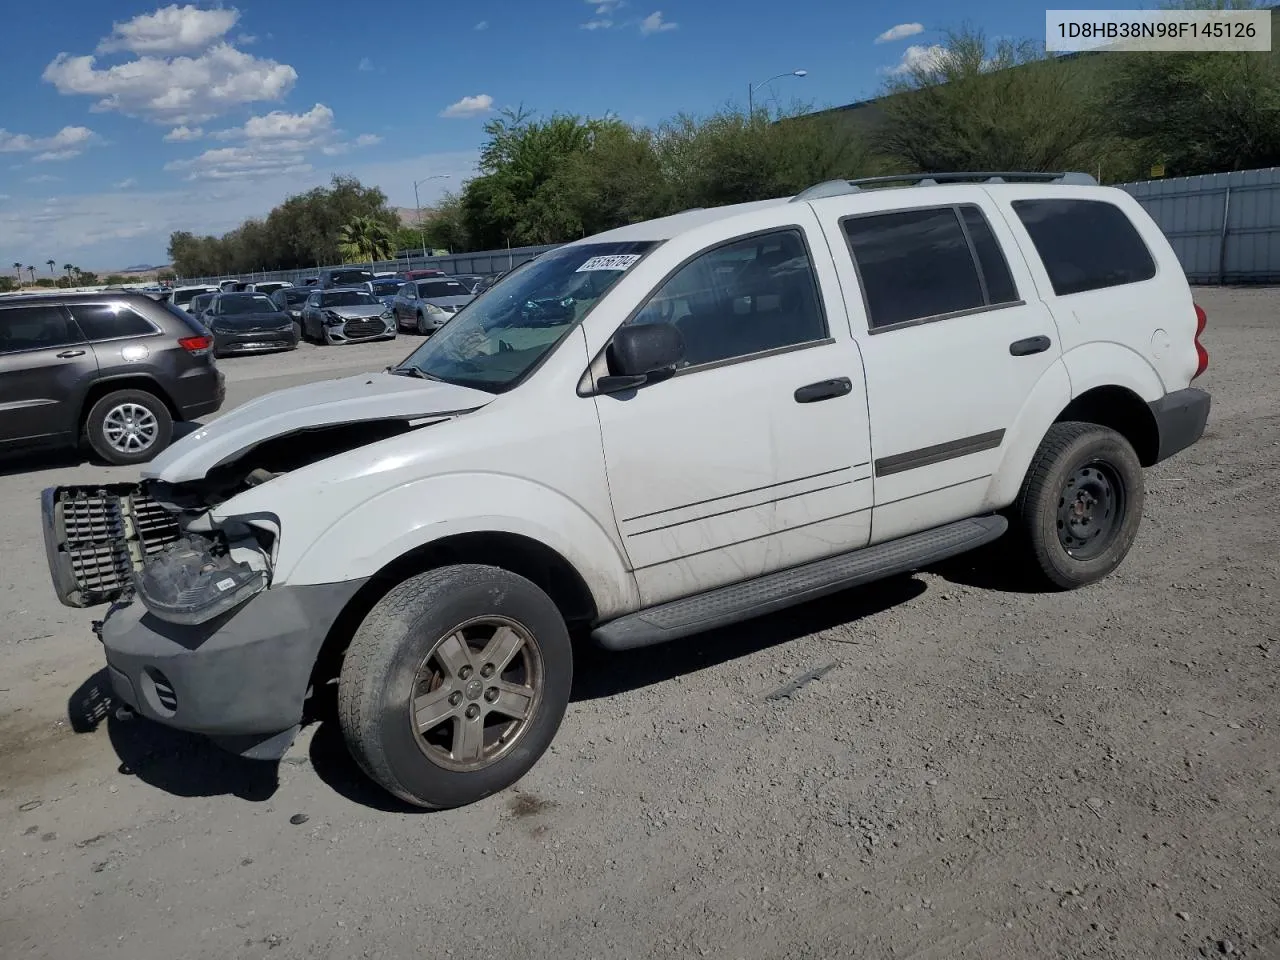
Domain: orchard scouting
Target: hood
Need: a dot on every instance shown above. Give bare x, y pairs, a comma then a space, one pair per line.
356, 310
251, 321
371, 396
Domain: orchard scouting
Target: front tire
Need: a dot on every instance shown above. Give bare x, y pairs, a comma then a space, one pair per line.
1080, 506
455, 685
128, 427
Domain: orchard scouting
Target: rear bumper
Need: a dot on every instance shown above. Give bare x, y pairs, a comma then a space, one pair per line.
258, 342
240, 679
1180, 420
198, 393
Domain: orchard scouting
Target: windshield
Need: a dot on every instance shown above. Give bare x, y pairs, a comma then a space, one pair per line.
201, 301
248, 303
442, 288
384, 287
498, 339
349, 298
292, 295
186, 296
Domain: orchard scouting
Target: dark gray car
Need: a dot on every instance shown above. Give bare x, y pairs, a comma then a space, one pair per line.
249, 323
116, 369
346, 316
425, 305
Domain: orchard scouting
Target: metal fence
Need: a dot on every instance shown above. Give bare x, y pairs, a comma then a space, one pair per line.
1224, 227
483, 262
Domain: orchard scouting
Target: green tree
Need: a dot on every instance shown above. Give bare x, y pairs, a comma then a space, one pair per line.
365, 239
50, 263
977, 105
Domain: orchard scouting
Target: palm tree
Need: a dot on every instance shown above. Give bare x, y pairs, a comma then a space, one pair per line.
67, 268
32, 270
365, 238
51, 262
17, 268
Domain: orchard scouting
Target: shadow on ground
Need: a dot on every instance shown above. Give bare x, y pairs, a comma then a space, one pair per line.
187, 765
181, 764
998, 567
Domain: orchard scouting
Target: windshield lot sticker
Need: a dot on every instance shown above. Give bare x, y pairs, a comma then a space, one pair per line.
619, 261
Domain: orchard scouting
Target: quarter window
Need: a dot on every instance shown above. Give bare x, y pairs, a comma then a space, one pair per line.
922, 264
1085, 244
35, 328
108, 321
742, 298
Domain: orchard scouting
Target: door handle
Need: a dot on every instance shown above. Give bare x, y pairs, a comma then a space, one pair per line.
823, 390
1024, 348
68, 354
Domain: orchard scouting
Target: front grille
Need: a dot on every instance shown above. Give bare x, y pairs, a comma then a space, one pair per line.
369, 327
105, 535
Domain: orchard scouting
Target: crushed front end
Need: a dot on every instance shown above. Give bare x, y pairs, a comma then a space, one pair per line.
196, 637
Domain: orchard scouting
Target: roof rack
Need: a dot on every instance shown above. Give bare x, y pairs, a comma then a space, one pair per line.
836, 188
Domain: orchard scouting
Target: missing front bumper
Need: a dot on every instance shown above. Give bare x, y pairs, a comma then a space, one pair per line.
96, 537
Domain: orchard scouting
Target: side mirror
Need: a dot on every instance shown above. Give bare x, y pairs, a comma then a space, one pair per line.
642, 353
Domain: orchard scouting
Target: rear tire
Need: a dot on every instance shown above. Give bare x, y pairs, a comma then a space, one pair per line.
1080, 506
436, 677
128, 427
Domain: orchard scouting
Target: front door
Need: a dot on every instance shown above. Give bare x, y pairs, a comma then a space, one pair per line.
755, 455
955, 341
45, 364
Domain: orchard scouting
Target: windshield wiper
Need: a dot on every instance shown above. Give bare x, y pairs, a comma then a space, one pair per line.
415, 372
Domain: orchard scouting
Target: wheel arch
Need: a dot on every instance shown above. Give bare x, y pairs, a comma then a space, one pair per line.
522, 555
100, 388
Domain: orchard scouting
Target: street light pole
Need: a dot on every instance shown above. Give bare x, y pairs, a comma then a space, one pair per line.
752, 88
422, 234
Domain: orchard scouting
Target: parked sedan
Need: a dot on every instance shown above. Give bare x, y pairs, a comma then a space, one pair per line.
249, 323
425, 305
290, 300
385, 288
339, 315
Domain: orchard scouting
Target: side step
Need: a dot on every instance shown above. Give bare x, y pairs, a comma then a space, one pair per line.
785, 588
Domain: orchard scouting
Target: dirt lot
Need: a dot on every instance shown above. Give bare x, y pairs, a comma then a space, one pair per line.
977, 772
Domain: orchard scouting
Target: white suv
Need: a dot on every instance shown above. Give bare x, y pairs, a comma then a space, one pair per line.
641, 435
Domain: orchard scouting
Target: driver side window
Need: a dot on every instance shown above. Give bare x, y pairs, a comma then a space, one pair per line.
741, 298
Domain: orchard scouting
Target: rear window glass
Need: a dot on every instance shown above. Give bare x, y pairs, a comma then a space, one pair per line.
1085, 244
107, 321
442, 288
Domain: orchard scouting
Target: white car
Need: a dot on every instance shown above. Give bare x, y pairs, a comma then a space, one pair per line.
182, 296
668, 427
267, 286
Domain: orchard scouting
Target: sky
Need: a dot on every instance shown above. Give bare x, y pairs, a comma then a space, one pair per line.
124, 121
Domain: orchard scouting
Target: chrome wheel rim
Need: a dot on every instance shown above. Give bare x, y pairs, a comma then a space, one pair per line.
476, 693
130, 428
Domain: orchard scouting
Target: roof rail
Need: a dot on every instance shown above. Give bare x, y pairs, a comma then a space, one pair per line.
835, 188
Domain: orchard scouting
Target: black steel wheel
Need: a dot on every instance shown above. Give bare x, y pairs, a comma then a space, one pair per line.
1080, 506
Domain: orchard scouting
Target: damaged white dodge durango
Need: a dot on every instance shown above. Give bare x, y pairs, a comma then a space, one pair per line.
638, 436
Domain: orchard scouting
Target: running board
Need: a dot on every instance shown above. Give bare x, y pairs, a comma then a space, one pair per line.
785, 588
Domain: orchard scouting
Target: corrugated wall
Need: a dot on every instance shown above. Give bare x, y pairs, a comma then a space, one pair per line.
1225, 227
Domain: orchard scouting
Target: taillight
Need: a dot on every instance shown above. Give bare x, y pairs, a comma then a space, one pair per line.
1202, 355
196, 346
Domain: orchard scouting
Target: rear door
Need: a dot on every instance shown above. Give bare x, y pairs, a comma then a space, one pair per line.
45, 367
955, 340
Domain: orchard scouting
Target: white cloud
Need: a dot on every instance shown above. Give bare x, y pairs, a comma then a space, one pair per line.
365, 65
126, 183
918, 58
63, 145
900, 32
43, 178
605, 8
248, 162
245, 39
3, 197
181, 90
171, 29
469, 107
482, 25
599, 24
364, 140
274, 143
654, 23
279, 124
184, 134
368, 140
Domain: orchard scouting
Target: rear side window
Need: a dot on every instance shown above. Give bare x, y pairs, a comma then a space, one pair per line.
1085, 244
926, 264
109, 321
35, 328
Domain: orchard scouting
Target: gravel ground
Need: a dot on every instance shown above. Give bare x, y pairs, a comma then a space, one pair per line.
961, 770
